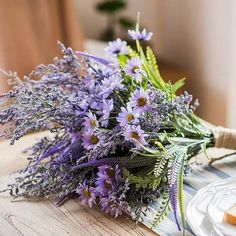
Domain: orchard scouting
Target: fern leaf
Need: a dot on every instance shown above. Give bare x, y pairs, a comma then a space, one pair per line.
181, 195
174, 168
177, 85
147, 181
160, 166
151, 58
155, 79
163, 209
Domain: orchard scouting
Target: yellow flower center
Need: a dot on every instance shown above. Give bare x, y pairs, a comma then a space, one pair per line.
93, 123
130, 117
134, 135
94, 139
110, 172
107, 184
142, 101
87, 194
134, 69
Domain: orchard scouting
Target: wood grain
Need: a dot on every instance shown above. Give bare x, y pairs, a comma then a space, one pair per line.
31, 217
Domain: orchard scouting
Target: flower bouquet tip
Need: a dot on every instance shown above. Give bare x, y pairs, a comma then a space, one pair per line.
121, 137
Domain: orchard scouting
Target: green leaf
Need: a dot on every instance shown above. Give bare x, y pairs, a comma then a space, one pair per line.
151, 58
152, 69
181, 195
177, 85
163, 209
141, 181
159, 168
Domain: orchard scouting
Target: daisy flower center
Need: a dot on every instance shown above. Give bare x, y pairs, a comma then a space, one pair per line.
87, 194
134, 69
94, 139
142, 101
93, 123
134, 135
130, 117
107, 184
117, 51
110, 172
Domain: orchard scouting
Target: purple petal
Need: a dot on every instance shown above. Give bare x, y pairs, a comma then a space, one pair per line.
173, 201
98, 59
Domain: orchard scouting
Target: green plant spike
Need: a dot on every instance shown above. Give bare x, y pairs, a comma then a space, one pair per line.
181, 195
163, 209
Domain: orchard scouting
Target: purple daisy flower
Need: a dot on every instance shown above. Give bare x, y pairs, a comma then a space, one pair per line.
142, 36
111, 205
109, 172
106, 110
134, 68
105, 186
117, 46
91, 139
127, 116
90, 121
96, 106
135, 134
90, 78
87, 195
140, 100
110, 84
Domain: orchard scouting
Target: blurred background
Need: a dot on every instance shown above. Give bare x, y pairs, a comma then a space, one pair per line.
193, 39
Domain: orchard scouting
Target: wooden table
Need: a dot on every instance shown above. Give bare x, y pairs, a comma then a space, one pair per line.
28, 217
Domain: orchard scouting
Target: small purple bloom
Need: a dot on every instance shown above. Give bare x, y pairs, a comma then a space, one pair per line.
127, 116
105, 186
110, 84
117, 46
135, 134
111, 205
90, 121
87, 195
134, 68
142, 36
109, 172
140, 100
96, 106
106, 110
90, 78
91, 139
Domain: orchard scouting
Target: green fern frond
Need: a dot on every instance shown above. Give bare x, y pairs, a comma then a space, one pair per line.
160, 166
177, 85
181, 195
151, 58
163, 209
148, 181
154, 77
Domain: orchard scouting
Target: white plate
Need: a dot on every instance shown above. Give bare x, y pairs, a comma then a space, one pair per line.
222, 201
197, 208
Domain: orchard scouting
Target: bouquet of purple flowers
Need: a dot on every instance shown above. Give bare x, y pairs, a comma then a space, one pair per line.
121, 137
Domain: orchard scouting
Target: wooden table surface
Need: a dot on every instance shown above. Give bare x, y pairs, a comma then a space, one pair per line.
28, 217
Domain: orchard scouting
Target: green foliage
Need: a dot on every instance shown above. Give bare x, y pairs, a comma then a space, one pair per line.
151, 67
163, 209
181, 195
178, 156
160, 166
177, 85
147, 181
151, 59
